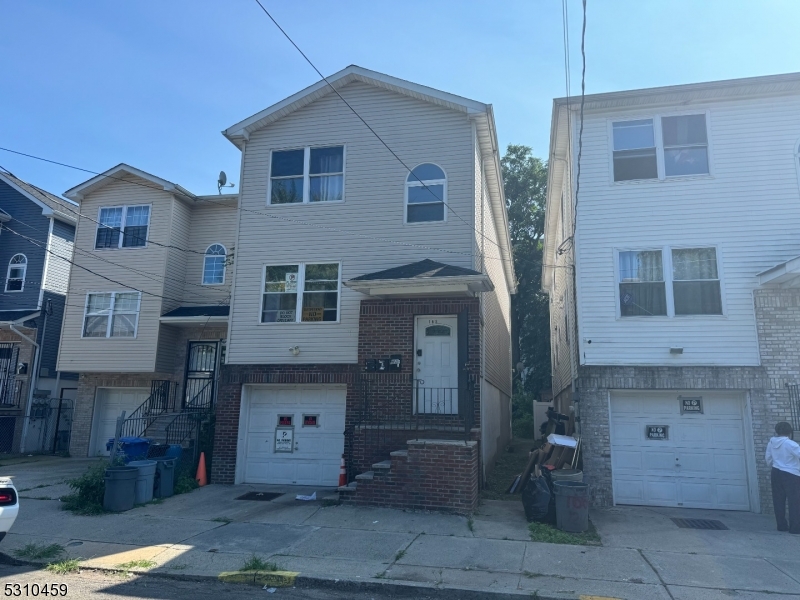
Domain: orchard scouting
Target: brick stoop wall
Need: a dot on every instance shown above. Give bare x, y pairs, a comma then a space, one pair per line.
437, 475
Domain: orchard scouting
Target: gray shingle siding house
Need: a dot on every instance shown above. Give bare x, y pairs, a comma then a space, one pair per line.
36, 245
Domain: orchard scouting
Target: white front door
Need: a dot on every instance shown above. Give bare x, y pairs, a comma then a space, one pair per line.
662, 455
436, 368
109, 404
293, 434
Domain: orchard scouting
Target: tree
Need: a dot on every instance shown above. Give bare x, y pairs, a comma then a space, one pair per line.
525, 181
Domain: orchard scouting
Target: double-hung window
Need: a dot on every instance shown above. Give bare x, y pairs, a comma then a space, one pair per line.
15, 278
122, 227
660, 147
301, 293
307, 175
669, 282
111, 314
426, 194
214, 265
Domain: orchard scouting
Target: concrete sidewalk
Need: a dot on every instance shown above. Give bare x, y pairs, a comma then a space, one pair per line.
645, 555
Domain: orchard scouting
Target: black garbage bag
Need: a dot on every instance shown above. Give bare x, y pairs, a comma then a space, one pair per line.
536, 500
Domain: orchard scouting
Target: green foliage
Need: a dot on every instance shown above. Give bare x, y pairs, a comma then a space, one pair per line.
65, 566
542, 532
39, 551
507, 466
256, 563
525, 182
185, 483
89, 491
142, 563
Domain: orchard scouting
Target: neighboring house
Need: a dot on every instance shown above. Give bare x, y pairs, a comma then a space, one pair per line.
370, 304
36, 242
674, 304
148, 305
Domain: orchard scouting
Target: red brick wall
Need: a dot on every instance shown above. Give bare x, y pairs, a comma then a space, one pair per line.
435, 475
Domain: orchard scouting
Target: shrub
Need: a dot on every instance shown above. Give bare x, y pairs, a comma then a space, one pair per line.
185, 483
89, 490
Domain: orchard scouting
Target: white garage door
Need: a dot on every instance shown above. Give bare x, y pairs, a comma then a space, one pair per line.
311, 417
662, 455
108, 406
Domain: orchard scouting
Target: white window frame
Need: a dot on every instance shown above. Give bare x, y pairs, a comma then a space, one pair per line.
108, 335
124, 208
301, 284
666, 264
24, 273
224, 264
307, 176
425, 182
659, 140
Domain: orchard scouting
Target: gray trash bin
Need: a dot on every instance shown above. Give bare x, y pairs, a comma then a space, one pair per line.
165, 477
120, 488
144, 480
572, 506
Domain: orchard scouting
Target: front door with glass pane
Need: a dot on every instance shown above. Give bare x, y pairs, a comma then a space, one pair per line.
201, 369
436, 365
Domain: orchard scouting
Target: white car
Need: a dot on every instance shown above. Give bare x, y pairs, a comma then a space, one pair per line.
9, 505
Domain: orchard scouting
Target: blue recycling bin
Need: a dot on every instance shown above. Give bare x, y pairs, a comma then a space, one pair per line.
131, 448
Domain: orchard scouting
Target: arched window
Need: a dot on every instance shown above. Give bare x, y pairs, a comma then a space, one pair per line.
214, 265
15, 279
426, 194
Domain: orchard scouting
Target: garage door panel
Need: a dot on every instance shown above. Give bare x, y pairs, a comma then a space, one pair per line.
109, 404
702, 464
317, 450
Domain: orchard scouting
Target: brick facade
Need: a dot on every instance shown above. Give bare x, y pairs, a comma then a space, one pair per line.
778, 323
429, 475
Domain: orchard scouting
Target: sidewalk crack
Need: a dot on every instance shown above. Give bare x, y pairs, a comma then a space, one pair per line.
661, 579
789, 575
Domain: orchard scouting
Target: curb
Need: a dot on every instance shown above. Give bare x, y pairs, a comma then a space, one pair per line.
398, 589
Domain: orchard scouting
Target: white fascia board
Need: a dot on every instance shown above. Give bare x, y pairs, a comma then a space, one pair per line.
78, 192
383, 287
46, 210
781, 273
21, 320
193, 320
241, 131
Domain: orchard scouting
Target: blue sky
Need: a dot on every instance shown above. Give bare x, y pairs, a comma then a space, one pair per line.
152, 83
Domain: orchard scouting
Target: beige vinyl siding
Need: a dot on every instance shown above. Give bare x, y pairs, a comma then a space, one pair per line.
116, 354
177, 260
374, 207
62, 238
213, 222
562, 301
749, 208
496, 305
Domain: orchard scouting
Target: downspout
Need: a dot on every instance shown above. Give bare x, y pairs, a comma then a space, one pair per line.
31, 381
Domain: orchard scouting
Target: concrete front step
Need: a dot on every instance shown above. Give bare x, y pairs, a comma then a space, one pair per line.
348, 489
399, 454
384, 465
368, 476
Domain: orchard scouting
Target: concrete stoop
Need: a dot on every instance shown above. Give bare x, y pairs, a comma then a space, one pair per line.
424, 482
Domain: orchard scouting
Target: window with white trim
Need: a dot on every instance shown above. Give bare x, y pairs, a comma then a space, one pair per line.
214, 265
111, 314
122, 227
660, 147
669, 282
15, 277
301, 293
426, 194
307, 175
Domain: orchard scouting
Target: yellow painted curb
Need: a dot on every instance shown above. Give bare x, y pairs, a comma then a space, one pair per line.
270, 578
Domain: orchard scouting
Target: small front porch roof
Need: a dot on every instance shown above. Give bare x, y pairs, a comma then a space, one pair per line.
785, 274
18, 317
192, 315
424, 278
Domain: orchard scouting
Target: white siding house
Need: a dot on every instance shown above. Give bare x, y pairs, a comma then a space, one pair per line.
686, 195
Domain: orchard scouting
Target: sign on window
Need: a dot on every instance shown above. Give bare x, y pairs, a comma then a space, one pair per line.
291, 282
313, 314
286, 316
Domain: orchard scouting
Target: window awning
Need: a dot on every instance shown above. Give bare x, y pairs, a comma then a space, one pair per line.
423, 278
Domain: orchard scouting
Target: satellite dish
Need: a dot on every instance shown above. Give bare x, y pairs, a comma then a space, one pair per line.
223, 182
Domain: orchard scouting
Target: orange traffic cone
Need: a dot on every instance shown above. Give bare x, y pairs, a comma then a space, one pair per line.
201, 471
342, 474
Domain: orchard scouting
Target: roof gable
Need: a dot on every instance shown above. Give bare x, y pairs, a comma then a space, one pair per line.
51, 205
119, 173
241, 131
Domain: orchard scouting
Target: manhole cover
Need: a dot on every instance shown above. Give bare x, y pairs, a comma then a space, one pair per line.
264, 496
699, 524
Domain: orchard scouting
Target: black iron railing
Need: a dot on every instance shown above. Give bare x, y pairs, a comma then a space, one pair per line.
393, 408
794, 404
11, 393
195, 411
161, 400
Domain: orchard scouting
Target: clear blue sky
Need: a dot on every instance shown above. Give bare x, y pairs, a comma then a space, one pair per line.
152, 83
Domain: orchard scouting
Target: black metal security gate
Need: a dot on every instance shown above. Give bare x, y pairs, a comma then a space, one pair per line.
201, 369
47, 429
794, 403
9, 387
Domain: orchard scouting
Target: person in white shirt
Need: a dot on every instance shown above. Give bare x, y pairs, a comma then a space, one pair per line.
783, 455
